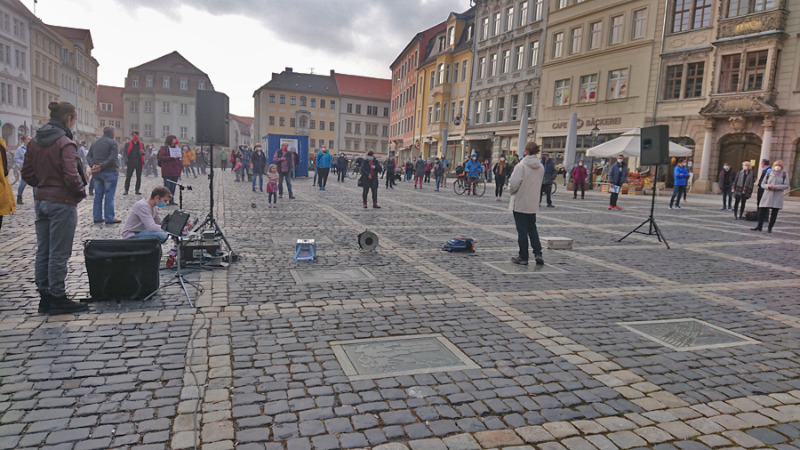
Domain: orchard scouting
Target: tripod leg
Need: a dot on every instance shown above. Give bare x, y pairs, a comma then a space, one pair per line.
634, 230
185, 291
658, 233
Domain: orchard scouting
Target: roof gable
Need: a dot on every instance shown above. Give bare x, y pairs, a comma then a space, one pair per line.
364, 87
304, 83
171, 62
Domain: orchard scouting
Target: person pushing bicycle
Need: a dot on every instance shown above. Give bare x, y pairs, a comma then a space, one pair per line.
473, 169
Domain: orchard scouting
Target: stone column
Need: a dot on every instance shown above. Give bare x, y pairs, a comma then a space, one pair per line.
766, 143
703, 184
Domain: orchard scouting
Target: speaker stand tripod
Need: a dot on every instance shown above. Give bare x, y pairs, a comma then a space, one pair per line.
180, 279
651, 221
210, 221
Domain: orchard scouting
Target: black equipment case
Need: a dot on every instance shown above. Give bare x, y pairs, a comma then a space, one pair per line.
122, 269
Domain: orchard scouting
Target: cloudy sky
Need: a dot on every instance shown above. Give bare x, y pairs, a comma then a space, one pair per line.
239, 43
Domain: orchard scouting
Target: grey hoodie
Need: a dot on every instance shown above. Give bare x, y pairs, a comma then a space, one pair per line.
50, 132
105, 153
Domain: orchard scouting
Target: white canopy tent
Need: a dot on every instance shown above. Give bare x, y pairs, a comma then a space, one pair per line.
629, 144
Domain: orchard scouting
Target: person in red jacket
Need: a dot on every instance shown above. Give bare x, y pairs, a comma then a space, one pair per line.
579, 175
171, 167
134, 156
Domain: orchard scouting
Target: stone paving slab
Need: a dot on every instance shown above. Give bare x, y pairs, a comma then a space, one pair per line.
254, 366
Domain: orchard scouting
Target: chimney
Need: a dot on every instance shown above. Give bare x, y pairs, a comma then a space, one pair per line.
288, 69
333, 72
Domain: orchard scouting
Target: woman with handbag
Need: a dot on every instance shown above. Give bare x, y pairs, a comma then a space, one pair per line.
774, 184
742, 189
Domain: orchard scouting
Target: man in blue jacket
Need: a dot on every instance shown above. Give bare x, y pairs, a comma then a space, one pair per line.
681, 175
323, 162
617, 176
473, 169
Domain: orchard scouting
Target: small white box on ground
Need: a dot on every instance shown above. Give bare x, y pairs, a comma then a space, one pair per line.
557, 243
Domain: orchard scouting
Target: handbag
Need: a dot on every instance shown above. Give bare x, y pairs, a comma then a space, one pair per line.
360, 182
614, 189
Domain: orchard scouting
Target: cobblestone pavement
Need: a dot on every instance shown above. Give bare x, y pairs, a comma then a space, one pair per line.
560, 363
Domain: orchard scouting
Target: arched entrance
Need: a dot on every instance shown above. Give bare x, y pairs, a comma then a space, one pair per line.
736, 148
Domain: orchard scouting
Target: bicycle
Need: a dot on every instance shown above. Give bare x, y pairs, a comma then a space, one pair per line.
354, 172
461, 185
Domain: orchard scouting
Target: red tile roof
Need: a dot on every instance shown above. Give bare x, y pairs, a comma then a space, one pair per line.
72, 33
364, 87
245, 120
113, 95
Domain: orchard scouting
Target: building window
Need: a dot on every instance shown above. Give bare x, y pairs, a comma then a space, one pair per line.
729, 73
529, 103
501, 109
165, 84
558, 44
349, 108
184, 109
372, 110
148, 106
165, 107
349, 127
742, 7
313, 103
691, 14
148, 130
440, 73
673, 82
520, 57
330, 144
694, 79
493, 64
313, 143
561, 97
575, 40
514, 105
489, 107
588, 91
135, 82
292, 122
302, 101
754, 70
272, 121
509, 18
537, 10
184, 131
272, 98
201, 86
134, 107
283, 99
523, 14
617, 84
617, 24
184, 84
482, 67
451, 35
437, 112
496, 24
561, 4
484, 28
165, 131
639, 28
430, 115
385, 111
533, 54
358, 109
282, 121
322, 125
506, 63
106, 106
148, 81
331, 126
312, 124
477, 112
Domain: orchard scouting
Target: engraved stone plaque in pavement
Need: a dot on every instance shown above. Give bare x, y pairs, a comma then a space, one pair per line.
530, 269
363, 359
330, 275
687, 334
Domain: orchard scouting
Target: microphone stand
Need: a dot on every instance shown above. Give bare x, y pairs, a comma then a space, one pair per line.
180, 194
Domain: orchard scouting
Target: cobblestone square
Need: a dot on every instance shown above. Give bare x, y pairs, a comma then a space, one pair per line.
553, 365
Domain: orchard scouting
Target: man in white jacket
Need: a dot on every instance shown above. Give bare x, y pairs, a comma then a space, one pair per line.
525, 187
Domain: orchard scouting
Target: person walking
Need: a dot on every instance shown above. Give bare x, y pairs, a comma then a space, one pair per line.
391, 168
617, 176
188, 157
103, 157
446, 165
7, 205
223, 159
549, 177
259, 160
473, 171
52, 166
438, 173
771, 202
247, 156
579, 175
283, 160
409, 170
501, 171
428, 170
151, 162
134, 161
19, 160
324, 161
525, 187
370, 169
419, 172
725, 186
680, 177
295, 161
170, 166
272, 185
742, 189
341, 167
765, 169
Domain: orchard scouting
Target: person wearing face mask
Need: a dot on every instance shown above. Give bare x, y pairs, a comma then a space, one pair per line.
144, 221
681, 175
617, 176
726, 185
419, 172
742, 189
103, 157
776, 182
323, 161
765, 169
473, 169
370, 169
500, 171
53, 167
438, 173
391, 167
259, 160
171, 167
579, 175
134, 155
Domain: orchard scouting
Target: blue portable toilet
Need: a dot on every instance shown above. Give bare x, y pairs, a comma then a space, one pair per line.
273, 144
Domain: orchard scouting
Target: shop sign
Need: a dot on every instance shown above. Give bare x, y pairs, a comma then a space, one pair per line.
589, 123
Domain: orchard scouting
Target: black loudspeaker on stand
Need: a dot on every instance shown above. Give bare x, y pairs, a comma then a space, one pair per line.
212, 122
654, 152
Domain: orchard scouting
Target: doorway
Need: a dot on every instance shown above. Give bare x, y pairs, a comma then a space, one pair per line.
736, 148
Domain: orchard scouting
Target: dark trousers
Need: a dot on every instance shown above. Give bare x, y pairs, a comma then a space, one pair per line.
736, 206
223, 164
427, 178
727, 195
547, 189
171, 186
284, 176
341, 175
390, 178
526, 229
614, 197
499, 181
323, 176
762, 216
677, 193
128, 172
575, 189
373, 185
760, 194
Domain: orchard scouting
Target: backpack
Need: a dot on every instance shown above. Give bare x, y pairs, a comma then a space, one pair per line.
459, 243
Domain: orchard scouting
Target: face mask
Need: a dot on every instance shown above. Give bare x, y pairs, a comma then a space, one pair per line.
370, 158
161, 204
724, 167
620, 161
776, 169
580, 164
474, 158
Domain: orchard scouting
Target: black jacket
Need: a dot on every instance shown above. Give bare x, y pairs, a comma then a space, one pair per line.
259, 162
105, 153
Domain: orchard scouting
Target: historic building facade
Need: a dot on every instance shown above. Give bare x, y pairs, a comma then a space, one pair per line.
240, 131
15, 74
111, 110
45, 70
443, 89
160, 99
364, 104
508, 55
298, 104
81, 68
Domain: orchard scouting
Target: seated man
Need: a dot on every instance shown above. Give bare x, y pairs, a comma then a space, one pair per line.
144, 221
